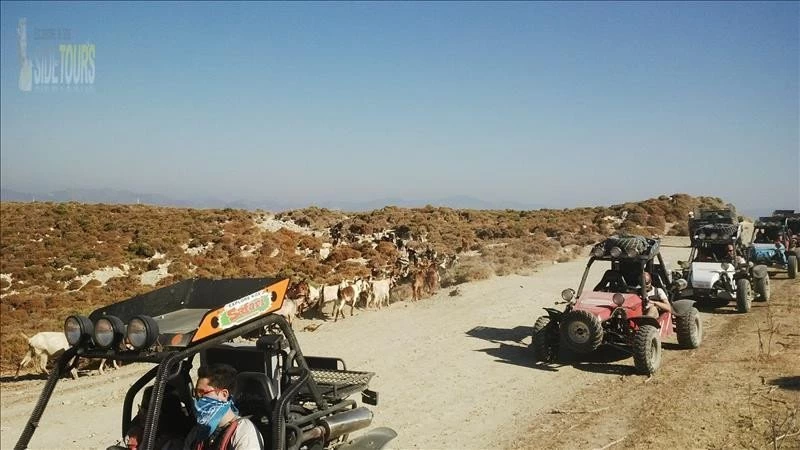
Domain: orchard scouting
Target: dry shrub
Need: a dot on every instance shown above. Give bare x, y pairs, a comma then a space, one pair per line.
179, 269
92, 284
472, 269
154, 263
342, 253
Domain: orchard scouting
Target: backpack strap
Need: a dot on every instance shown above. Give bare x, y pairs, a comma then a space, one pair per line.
220, 439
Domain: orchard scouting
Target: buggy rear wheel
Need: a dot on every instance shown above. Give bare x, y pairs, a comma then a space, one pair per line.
581, 331
792, 266
689, 329
743, 297
542, 345
647, 350
762, 288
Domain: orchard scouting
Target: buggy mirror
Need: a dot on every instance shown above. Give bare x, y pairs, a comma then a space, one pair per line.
683, 264
725, 266
568, 294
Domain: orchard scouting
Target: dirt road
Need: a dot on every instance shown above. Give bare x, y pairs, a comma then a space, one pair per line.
452, 372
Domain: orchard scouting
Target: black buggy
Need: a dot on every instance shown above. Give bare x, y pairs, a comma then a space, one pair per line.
295, 401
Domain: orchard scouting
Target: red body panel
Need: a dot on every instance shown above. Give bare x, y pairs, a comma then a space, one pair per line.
601, 305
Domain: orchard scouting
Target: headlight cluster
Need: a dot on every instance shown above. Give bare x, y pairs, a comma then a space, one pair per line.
109, 331
615, 252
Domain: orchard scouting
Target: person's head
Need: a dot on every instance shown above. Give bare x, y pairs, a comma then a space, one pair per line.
648, 280
216, 381
731, 250
212, 397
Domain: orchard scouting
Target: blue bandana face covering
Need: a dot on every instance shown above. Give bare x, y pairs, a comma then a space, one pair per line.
209, 412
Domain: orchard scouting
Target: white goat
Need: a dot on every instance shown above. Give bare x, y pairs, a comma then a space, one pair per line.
41, 347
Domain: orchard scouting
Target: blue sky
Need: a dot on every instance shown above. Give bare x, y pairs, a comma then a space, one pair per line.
560, 104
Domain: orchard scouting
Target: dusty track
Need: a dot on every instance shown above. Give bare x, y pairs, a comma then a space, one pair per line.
452, 372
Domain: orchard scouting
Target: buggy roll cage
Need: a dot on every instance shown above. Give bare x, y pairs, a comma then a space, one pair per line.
771, 223
645, 261
177, 345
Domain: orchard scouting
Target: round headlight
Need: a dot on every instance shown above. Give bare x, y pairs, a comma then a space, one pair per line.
568, 294
598, 251
701, 236
714, 235
631, 252
77, 329
618, 299
108, 331
726, 236
615, 252
142, 332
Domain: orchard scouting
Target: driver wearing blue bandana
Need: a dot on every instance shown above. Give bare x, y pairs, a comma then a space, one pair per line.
218, 424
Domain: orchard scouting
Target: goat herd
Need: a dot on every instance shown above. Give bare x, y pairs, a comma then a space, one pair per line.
374, 291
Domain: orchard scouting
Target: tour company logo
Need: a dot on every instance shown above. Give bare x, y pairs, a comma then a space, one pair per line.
55, 63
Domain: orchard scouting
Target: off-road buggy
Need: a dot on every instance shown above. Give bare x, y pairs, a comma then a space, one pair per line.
771, 245
715, 277
295, 401
613, 313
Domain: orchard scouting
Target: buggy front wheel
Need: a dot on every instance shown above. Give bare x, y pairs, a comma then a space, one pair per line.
762, 288
689, 329
647, 350
743, 297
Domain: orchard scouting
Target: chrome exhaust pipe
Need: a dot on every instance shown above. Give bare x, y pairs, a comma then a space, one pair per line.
346, 422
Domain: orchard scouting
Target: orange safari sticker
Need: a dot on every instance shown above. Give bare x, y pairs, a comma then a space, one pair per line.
239, 311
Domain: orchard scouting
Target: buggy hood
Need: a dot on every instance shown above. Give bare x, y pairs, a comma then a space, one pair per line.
601, 303
705, 274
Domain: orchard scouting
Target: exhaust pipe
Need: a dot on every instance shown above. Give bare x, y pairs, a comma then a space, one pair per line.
347, 422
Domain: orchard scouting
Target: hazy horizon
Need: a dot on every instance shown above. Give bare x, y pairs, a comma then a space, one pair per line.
555, 104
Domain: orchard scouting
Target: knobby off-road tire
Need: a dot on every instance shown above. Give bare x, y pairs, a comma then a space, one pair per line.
647, 350
792, 266
636, 243
762, 289
743, 297
543, 349
581, 331
689, 329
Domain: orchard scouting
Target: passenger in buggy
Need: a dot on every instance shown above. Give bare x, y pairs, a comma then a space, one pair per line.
219, 425
732, 256
781, 250
659, 302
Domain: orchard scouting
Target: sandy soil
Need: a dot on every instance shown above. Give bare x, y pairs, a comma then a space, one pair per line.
452, 372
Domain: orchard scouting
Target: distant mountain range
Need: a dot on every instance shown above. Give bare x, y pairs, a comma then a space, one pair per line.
115, 196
